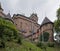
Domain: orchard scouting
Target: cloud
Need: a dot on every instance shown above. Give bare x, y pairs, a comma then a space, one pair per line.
41, 7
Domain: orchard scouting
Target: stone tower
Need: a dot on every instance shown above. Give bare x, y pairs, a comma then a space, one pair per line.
34, 17
1, 10
47, 26
8, 16
3, 15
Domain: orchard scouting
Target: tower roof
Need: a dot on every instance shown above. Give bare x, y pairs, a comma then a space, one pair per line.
0, 6
45, 21
9, 16
34, 17
33, 14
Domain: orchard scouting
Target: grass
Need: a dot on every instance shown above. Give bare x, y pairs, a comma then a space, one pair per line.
26, 45
53, 49
11, 46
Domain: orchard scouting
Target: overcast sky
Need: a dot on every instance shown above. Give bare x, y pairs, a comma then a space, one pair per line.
27, 7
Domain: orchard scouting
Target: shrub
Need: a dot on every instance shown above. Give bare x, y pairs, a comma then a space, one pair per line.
19, 41
40, 44
2, 44
8, 32
51, 44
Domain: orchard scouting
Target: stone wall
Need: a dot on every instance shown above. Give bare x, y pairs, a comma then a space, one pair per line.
48, 28
26, 25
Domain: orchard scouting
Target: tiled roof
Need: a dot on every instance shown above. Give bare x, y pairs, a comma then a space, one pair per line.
46, 20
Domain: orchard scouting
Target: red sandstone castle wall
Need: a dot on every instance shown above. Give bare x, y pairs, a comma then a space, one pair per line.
47, 28
27, 25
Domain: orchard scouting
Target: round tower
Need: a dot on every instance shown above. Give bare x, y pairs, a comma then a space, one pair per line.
47, 26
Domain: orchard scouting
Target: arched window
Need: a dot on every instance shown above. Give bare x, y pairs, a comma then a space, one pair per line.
44, 37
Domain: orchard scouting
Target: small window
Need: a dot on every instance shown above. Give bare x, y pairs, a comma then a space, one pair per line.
16, 24
20, 25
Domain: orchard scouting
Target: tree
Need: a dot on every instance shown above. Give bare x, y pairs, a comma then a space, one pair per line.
57, 22
58, 13
57, 26
45, 37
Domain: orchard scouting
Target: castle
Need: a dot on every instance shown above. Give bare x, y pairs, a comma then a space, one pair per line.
29, 26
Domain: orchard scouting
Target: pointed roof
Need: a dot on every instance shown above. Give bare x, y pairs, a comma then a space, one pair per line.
45, 21
8, 15
33, 14
0, 6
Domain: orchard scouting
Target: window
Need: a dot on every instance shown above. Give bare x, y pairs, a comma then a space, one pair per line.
16, 24
21, 25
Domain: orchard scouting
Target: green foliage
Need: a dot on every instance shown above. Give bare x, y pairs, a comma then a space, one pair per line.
50, 44
40, 44
7, 23
8, 32
2, 44
57, 26
19, 40
45, 36
25, 46
57, 22
58, 13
